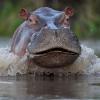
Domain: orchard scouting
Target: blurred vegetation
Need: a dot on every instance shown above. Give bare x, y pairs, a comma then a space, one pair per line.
85, 22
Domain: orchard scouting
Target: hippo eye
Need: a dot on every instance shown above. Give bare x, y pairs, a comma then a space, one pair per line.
30, 20
67, 19
33, 20
65, 22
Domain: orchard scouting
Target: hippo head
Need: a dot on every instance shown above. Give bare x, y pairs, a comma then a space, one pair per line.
49, 41
54, 45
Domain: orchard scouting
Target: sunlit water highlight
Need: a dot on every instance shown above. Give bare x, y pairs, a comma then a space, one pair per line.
10, 64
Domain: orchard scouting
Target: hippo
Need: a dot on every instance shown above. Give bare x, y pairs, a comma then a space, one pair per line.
45, 36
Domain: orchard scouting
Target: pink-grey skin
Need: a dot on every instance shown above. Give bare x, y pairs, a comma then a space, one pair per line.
46, 36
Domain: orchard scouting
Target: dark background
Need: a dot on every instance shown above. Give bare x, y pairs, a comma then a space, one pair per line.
85, 22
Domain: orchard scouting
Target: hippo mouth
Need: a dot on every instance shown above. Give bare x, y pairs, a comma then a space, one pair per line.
54, 58
55, 50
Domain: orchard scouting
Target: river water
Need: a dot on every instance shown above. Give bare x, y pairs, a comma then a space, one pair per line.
44, 88
28, 87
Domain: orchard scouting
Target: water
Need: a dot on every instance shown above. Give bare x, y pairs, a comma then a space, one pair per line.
94, 44
39, 88
28, 87
4, 42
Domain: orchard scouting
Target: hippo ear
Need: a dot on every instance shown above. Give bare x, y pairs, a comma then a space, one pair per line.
24, 14
69, 11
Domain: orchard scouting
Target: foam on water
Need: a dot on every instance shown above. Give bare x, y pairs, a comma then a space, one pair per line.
11, 64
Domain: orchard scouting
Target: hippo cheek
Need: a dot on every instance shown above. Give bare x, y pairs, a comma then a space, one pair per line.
54, 58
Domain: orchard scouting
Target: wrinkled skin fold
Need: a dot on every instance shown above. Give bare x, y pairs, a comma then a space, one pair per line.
47, 38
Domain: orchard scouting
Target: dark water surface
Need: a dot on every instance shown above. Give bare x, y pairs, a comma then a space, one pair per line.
44, 88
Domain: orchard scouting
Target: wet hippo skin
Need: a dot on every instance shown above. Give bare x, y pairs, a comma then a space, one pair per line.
47, 38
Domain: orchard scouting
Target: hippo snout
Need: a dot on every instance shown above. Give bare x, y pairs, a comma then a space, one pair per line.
54, 48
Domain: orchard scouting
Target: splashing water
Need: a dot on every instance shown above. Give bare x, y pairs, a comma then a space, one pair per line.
10, 64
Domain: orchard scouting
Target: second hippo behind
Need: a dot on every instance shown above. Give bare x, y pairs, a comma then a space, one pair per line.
52, 44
